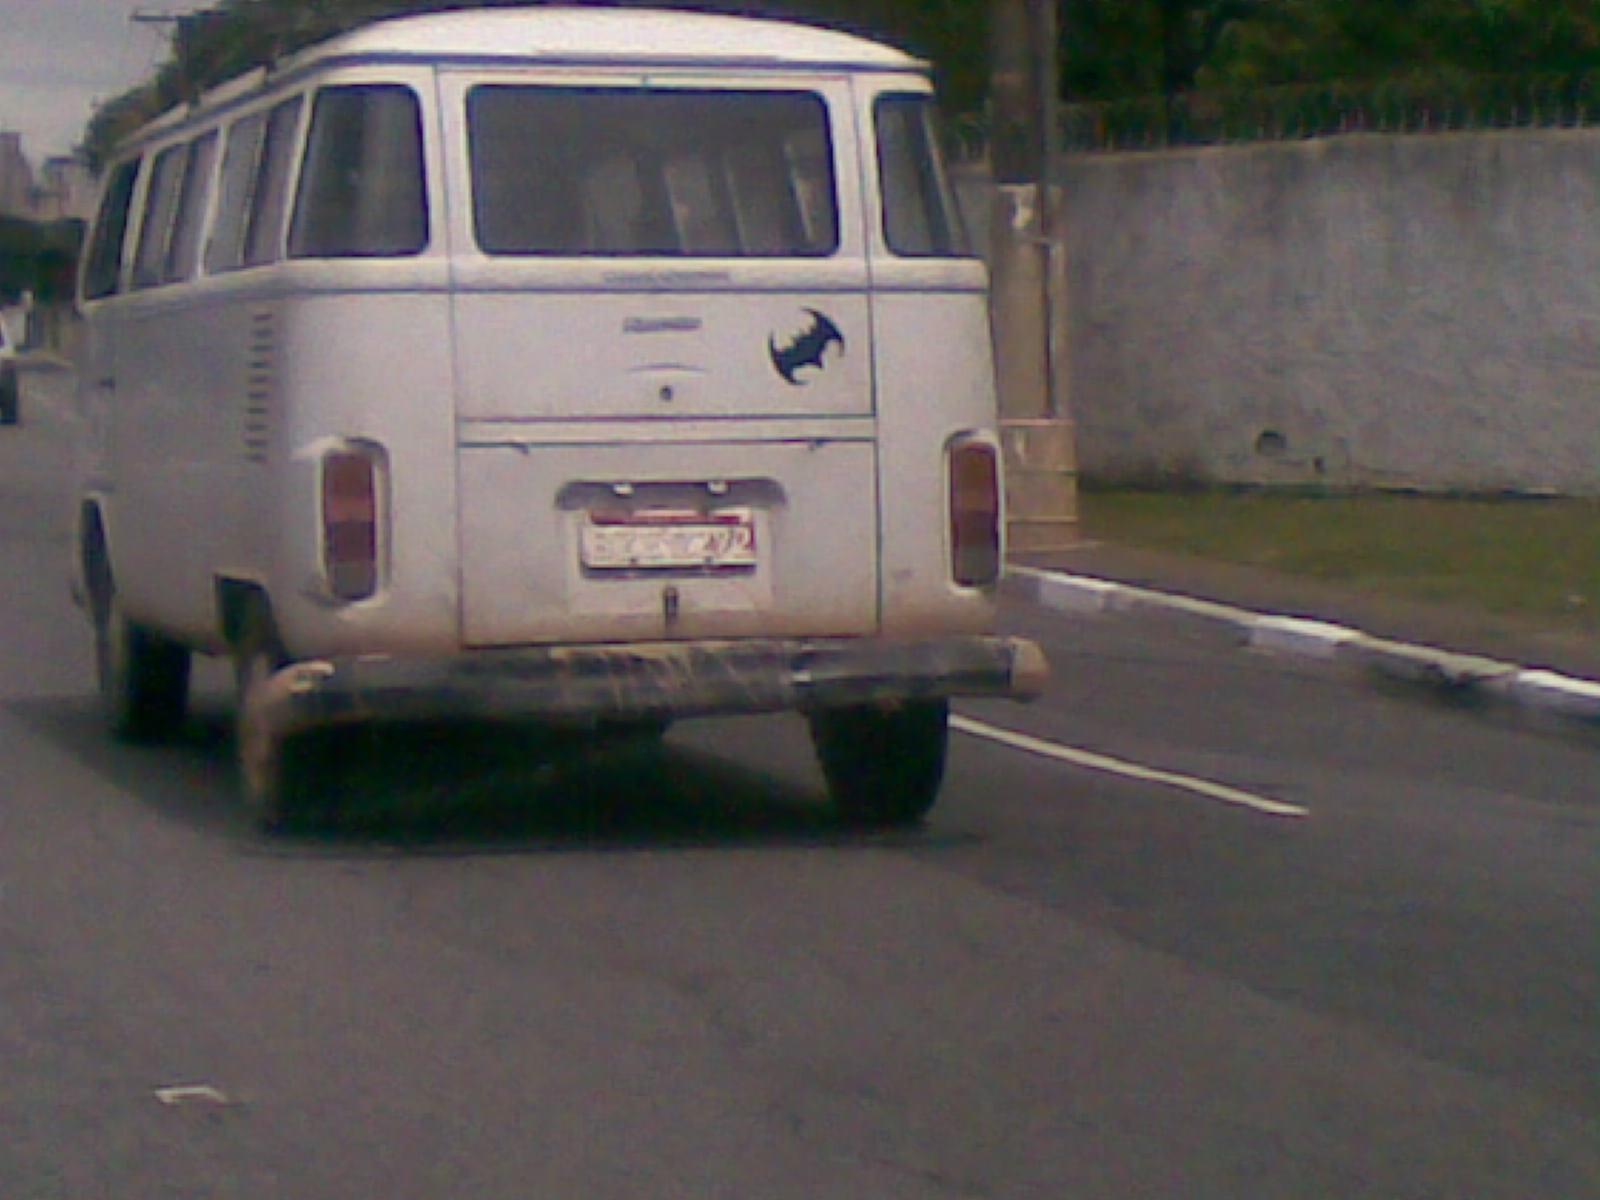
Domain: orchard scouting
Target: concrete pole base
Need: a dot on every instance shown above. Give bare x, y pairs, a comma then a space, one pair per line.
1041, 485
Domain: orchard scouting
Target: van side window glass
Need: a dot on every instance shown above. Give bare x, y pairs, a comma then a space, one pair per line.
635, 171
808, 161
362, 191
160, 206
240, 160
104, 259
271, 198
183, 254
920, 218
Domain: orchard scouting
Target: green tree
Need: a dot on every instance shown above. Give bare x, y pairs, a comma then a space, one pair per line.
1111, 49
1120, 48
1321, 41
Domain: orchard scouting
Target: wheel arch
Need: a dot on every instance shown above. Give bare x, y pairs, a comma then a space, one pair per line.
242, 603
93, 577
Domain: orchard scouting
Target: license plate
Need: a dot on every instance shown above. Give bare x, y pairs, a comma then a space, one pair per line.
668, 540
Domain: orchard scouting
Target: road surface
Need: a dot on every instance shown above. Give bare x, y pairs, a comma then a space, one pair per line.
1198, 925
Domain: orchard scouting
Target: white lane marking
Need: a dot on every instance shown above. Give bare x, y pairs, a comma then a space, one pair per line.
1128, 770
190, 1094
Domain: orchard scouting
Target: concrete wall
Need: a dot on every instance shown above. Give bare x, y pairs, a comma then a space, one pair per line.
1367, 310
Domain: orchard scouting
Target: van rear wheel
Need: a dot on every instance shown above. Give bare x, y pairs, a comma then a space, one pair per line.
143, 677
883, 765
10, 396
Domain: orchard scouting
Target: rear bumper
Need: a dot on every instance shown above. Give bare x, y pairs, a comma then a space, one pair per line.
587, 684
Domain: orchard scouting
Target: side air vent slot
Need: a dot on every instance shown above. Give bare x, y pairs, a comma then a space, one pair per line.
261, 386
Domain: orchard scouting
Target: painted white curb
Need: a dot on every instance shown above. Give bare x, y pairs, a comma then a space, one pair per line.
1562, 695
1299, 637
1461, 676
1069, 593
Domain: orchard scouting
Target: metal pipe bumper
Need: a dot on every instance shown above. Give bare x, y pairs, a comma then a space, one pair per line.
583, 685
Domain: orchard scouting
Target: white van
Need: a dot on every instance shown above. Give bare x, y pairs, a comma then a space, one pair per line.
597, 367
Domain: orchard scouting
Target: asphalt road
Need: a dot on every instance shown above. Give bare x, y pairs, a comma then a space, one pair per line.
662, 974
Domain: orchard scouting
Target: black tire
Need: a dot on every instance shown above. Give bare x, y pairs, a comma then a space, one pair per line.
144, 677
10, 401
281, 778
883, 765
635, 729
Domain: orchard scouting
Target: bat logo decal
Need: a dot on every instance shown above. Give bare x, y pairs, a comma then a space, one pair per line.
808, 349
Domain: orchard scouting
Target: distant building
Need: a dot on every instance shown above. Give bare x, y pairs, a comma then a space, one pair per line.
64, 187
16, 177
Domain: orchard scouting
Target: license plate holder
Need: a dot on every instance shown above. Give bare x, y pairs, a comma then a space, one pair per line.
669, 540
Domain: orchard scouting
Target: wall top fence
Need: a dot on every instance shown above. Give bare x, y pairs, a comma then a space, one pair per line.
1223, 117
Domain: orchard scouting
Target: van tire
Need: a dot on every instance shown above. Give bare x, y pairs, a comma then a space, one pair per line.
278, 779
143, 677
883, 765
644, 730
10, 396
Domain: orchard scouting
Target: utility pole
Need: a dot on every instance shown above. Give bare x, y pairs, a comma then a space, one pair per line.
1029, 280
184, 27
182, 42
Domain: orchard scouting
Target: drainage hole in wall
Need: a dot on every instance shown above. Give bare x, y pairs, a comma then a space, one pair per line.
1271, 444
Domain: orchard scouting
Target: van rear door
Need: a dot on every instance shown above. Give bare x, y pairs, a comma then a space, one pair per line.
662, 341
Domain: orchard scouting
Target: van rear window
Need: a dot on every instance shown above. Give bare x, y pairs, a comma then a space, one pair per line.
674, 172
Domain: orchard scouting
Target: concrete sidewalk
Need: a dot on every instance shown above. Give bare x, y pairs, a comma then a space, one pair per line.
1500, 664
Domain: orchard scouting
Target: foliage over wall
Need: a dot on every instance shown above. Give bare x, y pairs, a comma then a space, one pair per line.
1184, 58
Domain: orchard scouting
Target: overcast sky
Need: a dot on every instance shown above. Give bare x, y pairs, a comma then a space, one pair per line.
59, 58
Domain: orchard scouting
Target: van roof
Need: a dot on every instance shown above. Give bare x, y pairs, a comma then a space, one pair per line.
586, 35
556, 34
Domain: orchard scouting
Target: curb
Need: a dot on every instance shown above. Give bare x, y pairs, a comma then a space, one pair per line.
41, 360
1465, 680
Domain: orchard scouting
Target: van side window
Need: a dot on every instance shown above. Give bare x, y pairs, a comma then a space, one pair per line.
679, 172
160, 206
920, 218
103, 263
271, 200
240, 161
362, 192
183, 252
255, 179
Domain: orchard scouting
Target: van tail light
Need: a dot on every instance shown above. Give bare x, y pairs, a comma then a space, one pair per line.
350, 517
975, 523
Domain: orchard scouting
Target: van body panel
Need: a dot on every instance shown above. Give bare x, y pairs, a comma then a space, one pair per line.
930, 340
175, 419
646, 355
768, 332
569, 320
811, 506
393, 392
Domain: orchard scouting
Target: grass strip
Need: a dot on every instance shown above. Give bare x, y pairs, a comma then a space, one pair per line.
1531, 557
